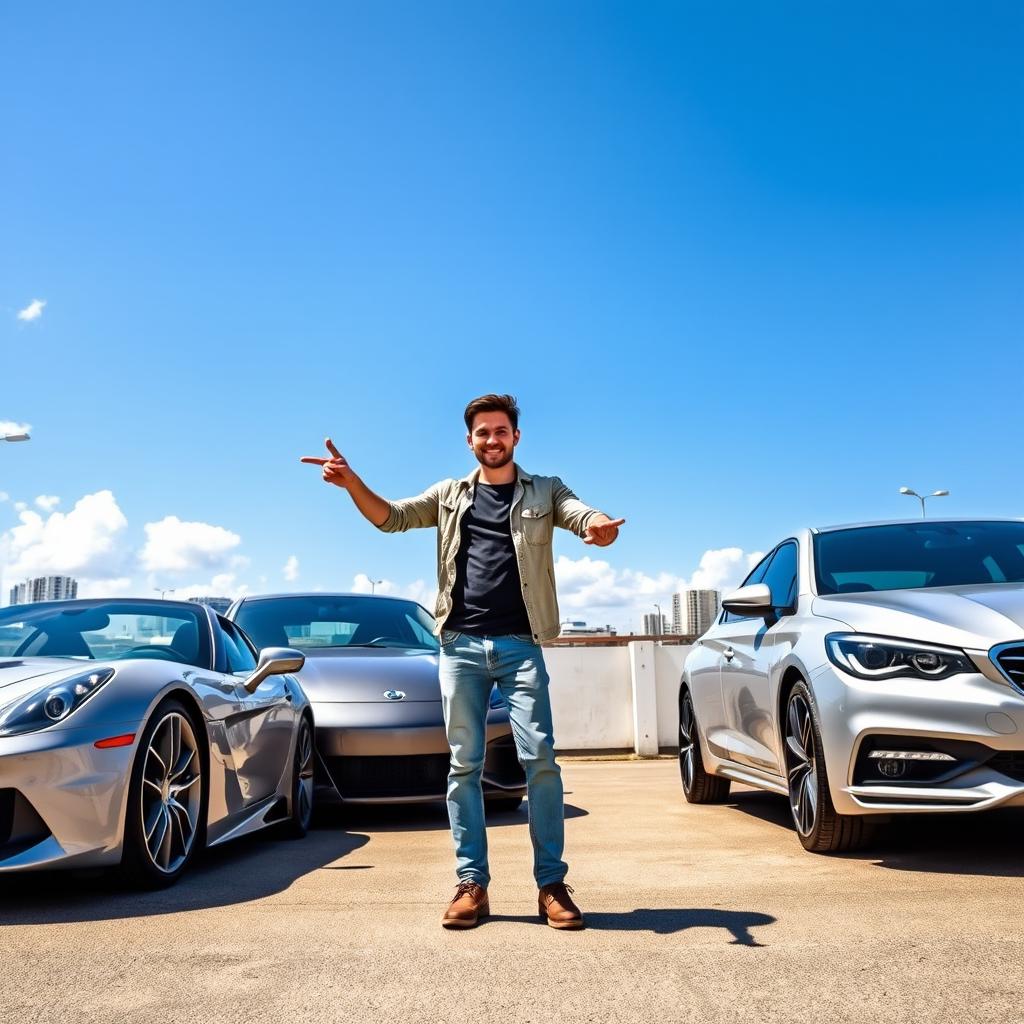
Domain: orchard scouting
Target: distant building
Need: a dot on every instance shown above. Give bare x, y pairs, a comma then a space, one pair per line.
701, 610
655, 625
575, 627
218, 604
677, 614
45, 588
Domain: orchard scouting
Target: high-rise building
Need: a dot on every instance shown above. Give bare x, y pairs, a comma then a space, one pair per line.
677, 614
654, 625
45, 588
218, 604
701, 611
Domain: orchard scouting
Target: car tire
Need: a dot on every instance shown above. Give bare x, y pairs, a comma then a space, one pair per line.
300, 816
503, 804
699, 785
820, 828
167, 798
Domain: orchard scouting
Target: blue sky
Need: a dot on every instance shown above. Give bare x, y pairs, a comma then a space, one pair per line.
747, 266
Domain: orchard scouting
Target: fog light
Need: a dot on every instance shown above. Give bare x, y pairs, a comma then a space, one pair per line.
909, 755
891, 768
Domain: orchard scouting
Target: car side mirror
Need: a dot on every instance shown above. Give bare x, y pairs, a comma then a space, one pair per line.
274, 661
754, 601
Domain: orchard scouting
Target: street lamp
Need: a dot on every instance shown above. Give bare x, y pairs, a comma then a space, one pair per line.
170, 590
14, 437
373, 585
922, 497
660, 622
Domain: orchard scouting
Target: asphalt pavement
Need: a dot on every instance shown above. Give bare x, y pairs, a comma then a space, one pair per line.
693, 913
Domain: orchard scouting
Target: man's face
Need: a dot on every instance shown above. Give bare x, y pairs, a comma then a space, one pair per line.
492, 439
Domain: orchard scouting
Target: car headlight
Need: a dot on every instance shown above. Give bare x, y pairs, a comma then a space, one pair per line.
880, 657
52, 703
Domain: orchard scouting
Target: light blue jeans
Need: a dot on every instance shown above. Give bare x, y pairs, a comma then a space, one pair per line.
470, 666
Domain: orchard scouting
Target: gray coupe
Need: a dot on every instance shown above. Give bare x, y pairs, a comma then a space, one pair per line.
371, 674
133, 732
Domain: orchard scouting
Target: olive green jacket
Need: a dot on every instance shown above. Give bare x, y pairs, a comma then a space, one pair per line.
539, 504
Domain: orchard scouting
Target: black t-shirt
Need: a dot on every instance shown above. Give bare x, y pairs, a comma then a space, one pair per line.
487, 598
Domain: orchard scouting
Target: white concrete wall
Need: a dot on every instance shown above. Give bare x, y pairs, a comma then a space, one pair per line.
615, 698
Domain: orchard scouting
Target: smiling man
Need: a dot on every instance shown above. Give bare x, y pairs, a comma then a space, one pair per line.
496, 605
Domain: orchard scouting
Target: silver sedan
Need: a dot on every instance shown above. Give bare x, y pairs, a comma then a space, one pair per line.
132, 732
863, 672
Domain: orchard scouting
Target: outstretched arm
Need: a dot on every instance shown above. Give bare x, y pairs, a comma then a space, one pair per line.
390, 516
593, 526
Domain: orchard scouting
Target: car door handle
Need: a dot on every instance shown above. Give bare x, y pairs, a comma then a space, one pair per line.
728, 654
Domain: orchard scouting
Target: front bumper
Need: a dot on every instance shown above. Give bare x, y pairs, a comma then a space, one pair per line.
62, 800
374, 753
970, 717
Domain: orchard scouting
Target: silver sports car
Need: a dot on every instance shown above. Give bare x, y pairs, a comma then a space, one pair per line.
865, 671
132, 732
371, 676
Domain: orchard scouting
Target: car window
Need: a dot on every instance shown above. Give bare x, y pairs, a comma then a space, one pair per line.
240, 657
781, 577
756, 575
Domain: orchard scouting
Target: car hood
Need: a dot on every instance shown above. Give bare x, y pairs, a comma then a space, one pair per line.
21, 676
976, 616
362, 676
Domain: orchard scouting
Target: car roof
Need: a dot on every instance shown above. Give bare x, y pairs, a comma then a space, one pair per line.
917, 520
322, 593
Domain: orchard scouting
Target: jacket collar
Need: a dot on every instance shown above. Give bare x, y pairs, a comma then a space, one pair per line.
470, 479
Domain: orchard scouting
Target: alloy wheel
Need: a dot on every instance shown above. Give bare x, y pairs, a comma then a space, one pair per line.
304, 769
686, 741
171, 793
801, 765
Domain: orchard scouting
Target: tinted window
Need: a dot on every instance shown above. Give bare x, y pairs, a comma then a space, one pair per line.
325, 620
105, 631
756, 575
914, 555
240, 657
781, 577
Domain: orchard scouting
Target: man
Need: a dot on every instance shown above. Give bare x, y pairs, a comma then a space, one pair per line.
496, 604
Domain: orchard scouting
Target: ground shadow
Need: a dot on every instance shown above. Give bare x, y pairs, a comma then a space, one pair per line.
248, 869
427, 817
984, 843
737, 923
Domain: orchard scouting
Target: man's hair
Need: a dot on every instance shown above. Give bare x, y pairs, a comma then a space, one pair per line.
493, 403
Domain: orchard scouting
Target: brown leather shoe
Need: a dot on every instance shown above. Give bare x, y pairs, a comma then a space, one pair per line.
468, 905
555, 905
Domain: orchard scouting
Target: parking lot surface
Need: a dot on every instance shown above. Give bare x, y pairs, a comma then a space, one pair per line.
694, 914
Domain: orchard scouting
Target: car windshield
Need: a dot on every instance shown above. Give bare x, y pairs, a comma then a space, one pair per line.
316, 620
909, 556
105, 631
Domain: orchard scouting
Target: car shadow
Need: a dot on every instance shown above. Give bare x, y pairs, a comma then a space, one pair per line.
415, 817
247, 869
738, 923
937, 843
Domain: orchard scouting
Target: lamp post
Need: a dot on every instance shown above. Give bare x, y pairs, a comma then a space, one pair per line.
373, 586
923, 497
661, 620
169, 590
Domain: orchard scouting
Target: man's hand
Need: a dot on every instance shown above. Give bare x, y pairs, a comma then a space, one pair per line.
336, 469
602, 532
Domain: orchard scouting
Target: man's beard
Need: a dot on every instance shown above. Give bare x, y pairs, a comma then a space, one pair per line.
482, 457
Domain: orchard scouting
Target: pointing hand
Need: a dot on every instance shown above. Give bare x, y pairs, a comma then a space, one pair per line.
336, 469
603, 533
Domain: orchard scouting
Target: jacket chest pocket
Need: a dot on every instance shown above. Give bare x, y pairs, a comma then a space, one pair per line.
537, 525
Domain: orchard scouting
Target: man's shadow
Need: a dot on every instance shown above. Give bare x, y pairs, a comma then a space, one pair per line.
666, 922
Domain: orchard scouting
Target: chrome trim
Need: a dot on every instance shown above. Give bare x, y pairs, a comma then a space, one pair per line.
993, 654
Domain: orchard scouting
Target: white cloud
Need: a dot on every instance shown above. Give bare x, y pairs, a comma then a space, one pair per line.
176, 546
20, 506
362, 584
120, 586
12, 427
419, 590
33, 311
724, 568
47, 502
82, 542
291, 569
4, 496
224, 584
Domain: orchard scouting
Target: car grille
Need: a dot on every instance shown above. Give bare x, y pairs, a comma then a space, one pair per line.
1008, 762
375, 777
1010, 660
